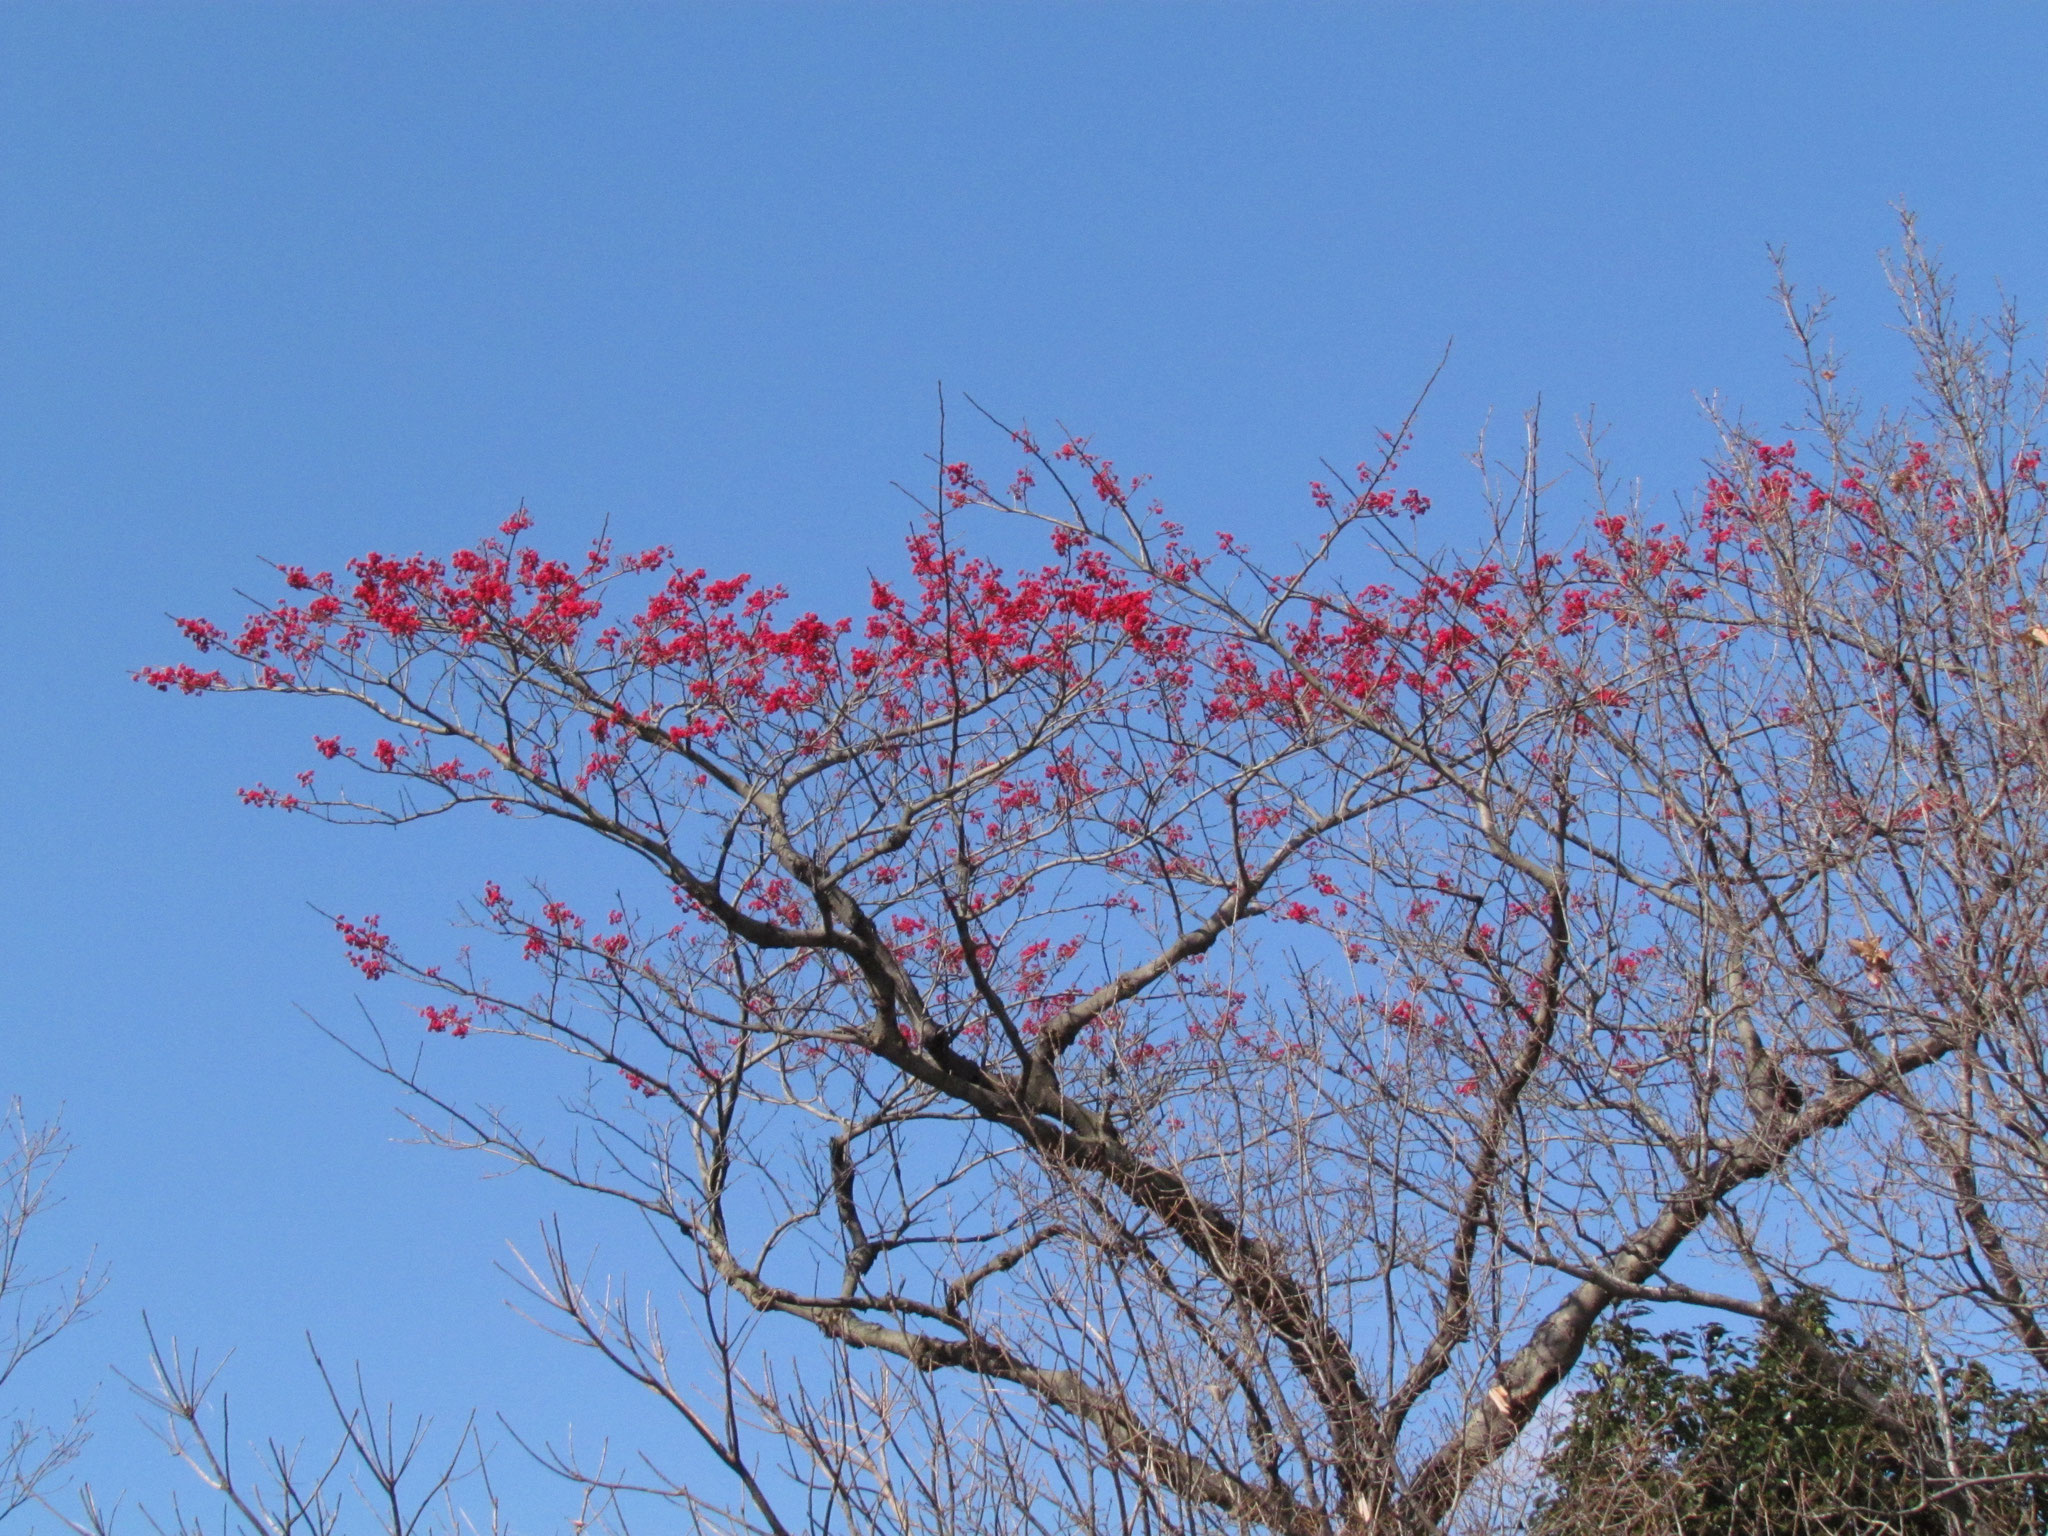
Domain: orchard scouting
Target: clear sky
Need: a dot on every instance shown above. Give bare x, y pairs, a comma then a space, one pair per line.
294, 281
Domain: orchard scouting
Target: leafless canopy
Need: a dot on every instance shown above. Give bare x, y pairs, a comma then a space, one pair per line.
35, 1307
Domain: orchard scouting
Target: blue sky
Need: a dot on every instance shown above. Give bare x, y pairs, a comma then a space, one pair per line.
291, 282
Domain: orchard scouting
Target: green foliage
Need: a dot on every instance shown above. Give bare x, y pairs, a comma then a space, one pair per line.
1705, 1432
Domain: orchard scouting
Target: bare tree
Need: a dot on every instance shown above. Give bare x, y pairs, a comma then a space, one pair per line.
35, 1307
1201, 1040
372, 1470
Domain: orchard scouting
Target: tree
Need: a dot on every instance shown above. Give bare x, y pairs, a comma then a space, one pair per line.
1203, 1041
34, 1309
1701, 1430
372, 1472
